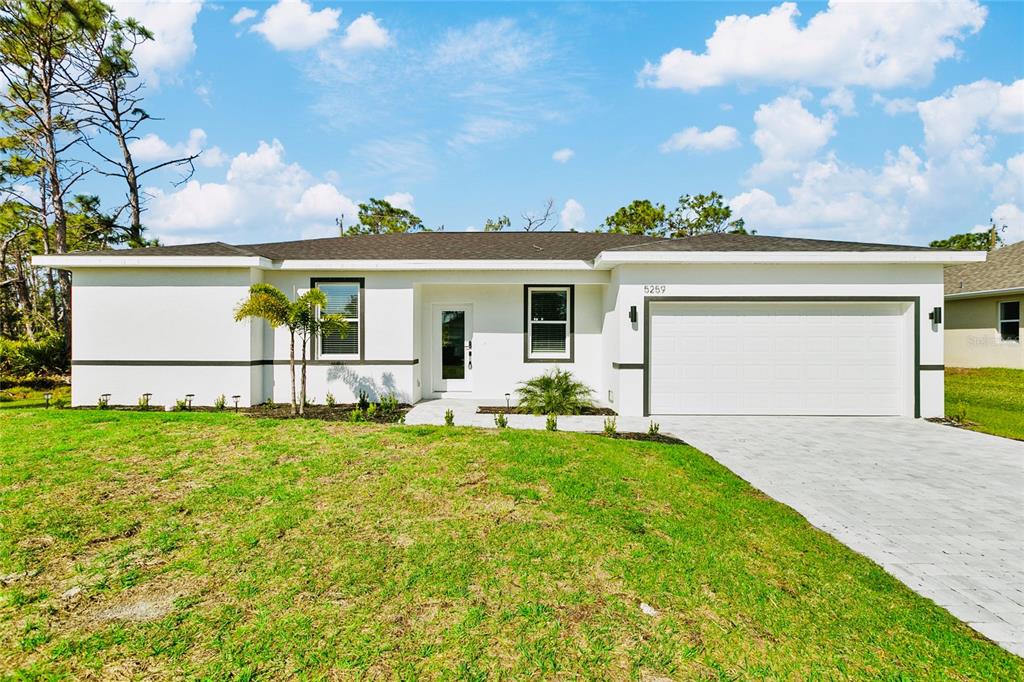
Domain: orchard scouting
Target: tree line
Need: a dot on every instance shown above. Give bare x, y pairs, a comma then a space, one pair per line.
71, 103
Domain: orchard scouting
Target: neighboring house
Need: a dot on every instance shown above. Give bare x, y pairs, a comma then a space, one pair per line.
983, 307
713, 324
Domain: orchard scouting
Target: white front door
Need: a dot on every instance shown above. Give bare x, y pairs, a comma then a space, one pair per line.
453, 347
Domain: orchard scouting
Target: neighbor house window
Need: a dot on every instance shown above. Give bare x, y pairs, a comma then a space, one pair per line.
343, 298
1009, 321
549, 324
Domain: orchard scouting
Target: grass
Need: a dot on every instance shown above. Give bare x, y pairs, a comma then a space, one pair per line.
27, 396
206, 545
992, 398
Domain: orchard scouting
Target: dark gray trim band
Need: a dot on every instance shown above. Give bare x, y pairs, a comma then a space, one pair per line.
627, 365
361, 281
932, 368
526, 322
916, 300
232, 363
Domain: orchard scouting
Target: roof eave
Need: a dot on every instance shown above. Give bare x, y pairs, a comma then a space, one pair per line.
611, 259
71, 261
985, 293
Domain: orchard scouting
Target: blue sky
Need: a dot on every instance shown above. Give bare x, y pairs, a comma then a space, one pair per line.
899, 123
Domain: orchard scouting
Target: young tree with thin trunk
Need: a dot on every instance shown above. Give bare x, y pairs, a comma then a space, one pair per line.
304, 316
110, 101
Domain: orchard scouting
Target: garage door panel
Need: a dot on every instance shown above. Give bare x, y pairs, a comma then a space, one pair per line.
777, 358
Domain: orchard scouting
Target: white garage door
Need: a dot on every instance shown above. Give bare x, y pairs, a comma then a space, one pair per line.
778, 358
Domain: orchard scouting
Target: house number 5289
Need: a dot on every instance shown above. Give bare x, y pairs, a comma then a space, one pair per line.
654, 288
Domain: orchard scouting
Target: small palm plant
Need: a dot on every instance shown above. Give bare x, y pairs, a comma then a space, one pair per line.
554, 392
304, 317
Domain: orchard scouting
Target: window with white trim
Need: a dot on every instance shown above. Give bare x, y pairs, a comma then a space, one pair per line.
342, 299
548, 317
1009, 321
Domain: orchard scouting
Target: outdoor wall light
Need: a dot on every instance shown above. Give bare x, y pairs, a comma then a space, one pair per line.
935, 315
46, 397
632, 314
235, 398
188, 400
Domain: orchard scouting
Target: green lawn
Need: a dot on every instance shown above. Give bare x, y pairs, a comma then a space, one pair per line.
164, 545
993, 399
27, 396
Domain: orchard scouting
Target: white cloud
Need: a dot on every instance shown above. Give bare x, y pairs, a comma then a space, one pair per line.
893, 107
323, 201
479, 130
881, 45
243, 15
842, 100
405, 160
151, 148
572, 215
402, 200
787, 136
563, 155
293, 25
1012, 217
716, 139
262, 197
173, 44
952, 120
499, 46
365, 33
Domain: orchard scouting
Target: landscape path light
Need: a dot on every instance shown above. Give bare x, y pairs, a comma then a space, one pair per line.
46, 397
188, 400
235, 398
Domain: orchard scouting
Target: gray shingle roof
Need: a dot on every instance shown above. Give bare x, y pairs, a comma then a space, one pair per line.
1004, 269
496, 246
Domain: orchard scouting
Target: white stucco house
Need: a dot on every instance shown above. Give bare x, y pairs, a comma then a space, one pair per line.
714, 324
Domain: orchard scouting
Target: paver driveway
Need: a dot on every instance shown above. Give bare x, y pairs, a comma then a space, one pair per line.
940, 508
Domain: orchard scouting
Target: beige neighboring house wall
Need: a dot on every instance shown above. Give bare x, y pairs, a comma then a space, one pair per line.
974, 292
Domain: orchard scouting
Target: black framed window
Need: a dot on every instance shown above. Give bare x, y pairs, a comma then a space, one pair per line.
345, 298
549, 323
1009, 321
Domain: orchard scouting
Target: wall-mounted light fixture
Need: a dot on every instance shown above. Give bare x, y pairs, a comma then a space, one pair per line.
935, 315
632, 314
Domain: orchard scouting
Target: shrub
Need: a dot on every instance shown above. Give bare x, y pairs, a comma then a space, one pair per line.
959, 414
356, 415
389, 407
552, 423
180, 405
329, 400
219, 402
653, 429
144, 402
102, 402
371, 412
449, 418
609, 426
501, 421
22, 358
364, 400
554, 392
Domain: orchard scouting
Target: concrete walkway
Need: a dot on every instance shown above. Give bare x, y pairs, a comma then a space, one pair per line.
941, 509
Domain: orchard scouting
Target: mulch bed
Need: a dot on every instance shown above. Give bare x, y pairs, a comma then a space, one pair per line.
639, 435
590, 411
336, 413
